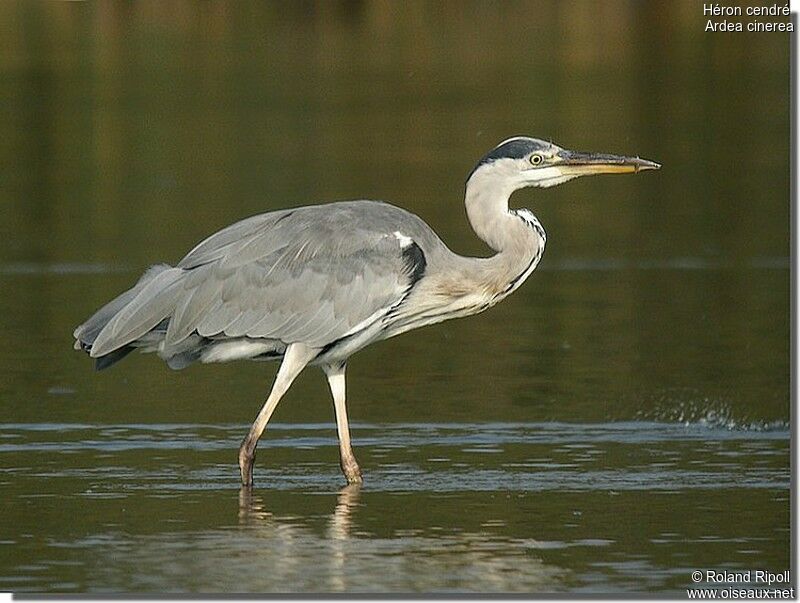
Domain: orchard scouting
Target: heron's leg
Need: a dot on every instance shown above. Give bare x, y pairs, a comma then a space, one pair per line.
346, 457
295, 359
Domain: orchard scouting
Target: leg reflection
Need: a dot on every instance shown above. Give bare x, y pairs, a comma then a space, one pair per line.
341, 520
251, 507
295, 537
339, 535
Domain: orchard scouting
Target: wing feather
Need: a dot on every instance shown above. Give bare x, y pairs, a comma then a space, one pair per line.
313, 275
304, 279
226, 242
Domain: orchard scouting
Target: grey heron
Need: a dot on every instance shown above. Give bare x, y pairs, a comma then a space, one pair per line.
313, 285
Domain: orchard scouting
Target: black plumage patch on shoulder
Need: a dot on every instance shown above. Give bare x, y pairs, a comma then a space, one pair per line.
415, 262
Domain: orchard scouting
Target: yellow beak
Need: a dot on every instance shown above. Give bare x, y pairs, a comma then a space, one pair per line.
583, 164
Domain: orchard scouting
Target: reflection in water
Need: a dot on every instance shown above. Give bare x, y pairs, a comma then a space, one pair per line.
339, 532
492, 507
253, 511
343, 558
347, 501
254, 515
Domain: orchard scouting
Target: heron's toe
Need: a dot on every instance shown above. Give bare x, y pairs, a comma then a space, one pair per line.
354, 479
352, 472
246, 461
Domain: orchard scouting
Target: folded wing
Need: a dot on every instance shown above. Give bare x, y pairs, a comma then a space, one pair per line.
311, 275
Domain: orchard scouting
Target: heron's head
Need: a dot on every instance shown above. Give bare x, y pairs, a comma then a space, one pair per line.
521, 162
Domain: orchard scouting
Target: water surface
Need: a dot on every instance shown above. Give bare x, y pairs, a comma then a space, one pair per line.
491, 507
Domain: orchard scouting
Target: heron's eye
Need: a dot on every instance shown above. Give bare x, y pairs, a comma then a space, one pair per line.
537, 159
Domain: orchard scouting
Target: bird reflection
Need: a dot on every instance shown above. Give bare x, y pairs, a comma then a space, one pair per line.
341, 520
337, 554
253, 511
251, 508
292, 537
339, 533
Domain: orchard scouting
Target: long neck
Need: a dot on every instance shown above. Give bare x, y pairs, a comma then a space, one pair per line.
487, 210
466, 285
516, 236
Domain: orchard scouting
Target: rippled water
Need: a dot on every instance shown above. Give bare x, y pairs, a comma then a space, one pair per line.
494, 507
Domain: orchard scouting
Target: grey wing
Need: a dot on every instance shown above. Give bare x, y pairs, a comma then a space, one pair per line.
230, 241
313, 275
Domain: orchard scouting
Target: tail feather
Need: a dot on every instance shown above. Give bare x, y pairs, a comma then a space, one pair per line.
112, 358
141, 318
86, 333
106, 335
152, 304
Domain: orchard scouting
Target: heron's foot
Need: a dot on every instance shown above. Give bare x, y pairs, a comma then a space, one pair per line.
351, 470
247, 457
